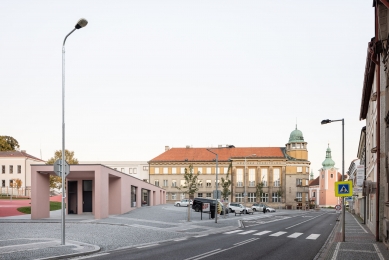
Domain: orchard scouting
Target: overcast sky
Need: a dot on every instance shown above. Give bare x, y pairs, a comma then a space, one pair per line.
145, 74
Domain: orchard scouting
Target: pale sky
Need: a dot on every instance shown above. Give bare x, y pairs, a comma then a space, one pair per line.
145, 74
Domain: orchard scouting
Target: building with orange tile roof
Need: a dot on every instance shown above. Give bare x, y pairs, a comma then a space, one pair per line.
283, 171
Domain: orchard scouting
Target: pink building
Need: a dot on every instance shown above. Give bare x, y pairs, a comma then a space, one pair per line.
93, 188
322, 189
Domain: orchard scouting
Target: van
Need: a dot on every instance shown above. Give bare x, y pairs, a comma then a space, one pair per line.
197, 203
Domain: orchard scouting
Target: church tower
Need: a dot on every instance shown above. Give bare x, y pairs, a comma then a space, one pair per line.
296, 147
327, 177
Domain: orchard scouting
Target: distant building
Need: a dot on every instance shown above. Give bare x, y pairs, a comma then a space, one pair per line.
137, 169
322, 189
16, 165
284, 172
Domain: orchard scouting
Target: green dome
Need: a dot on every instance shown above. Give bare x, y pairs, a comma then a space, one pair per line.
296, 136
328, 162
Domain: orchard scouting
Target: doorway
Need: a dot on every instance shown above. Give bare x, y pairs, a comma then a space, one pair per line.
87, 196
72, 197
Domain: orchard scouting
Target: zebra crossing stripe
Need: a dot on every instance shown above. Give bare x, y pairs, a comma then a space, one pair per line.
313, 236
261, 233
247, 232
277, 234
294, 235
233, 231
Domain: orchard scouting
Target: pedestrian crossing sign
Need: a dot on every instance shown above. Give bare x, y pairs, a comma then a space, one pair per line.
343, 189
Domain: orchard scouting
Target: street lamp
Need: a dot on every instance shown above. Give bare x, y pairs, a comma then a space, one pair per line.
80, 24
327, 121
216, 204
244, 179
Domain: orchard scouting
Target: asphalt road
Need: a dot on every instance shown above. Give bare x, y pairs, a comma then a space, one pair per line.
299, 236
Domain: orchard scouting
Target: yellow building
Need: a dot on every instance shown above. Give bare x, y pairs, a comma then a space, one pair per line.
283, 171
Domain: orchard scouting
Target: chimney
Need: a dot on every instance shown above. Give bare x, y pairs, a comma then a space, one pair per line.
23, 151
188, 146
166, 148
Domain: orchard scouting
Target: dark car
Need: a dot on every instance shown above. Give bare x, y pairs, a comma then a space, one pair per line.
197, 203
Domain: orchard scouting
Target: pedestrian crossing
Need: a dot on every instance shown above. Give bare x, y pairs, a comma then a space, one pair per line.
272, 234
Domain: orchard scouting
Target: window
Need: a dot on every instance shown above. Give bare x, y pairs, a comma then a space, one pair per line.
293, 145
322, 176
134, 170
200, 170
251, 197
225, 170
156, 170
265, 197
174, 196
3, 183
165, 170
299, 182
251, 177
174, 183
332, 175
314, 194
299, 196
167, 196
200, 195
182, 196
19, 169
122, 169
299, 169
3, 169
156, 183
276, 177
264, 177
297, 145
209, 170
183, 183
306, 169
130, 170
182, 170
11, 169
209, 183
239, 197
165, 183
174, 170
239, 178
275, 197
146, 168
306, 197
209, 195
11, 183
200, 183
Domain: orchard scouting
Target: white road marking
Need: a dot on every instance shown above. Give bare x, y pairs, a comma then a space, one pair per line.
231, 232
277, 234
247, 232
336, 251
378, 252
294, 235
201, 235
313, 236
261, 233
90, 256
147, 246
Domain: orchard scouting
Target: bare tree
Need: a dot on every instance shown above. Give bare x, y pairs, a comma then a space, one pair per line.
226, 184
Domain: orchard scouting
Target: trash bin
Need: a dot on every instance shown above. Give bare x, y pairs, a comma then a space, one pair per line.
212, 214
134, 204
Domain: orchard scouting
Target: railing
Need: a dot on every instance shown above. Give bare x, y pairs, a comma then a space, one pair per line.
8, 191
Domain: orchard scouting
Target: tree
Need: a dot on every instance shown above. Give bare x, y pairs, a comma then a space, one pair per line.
280, 192
259, 190
16, 183
56, 181
8, 143
190, 186
226, 184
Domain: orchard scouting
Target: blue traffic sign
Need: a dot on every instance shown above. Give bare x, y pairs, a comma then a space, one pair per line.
343, 189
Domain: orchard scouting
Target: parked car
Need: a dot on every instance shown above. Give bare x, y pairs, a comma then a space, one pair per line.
183, 202
259, 207
237, 207
197, 202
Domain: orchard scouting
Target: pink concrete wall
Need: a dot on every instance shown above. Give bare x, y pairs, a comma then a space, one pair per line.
111, 190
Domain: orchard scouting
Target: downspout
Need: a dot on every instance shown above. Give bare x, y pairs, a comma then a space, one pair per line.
364, 199
25, 174
377, 234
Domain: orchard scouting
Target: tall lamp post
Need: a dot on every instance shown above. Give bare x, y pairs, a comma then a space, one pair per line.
216, 204
327, 121
80, 24
244, 179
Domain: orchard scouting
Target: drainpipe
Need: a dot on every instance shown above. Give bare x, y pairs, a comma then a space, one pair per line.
364, 199
377, 234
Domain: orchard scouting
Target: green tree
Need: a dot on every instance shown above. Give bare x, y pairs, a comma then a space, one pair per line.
190, 186
56, 181
259, 191
8, 143
226, 184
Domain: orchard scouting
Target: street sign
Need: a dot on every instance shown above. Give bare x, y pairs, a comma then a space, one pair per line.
343, 189
58, 168
218, 195
338, 207
349, 198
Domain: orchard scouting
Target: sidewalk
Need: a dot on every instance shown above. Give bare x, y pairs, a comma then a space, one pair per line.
359, 242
